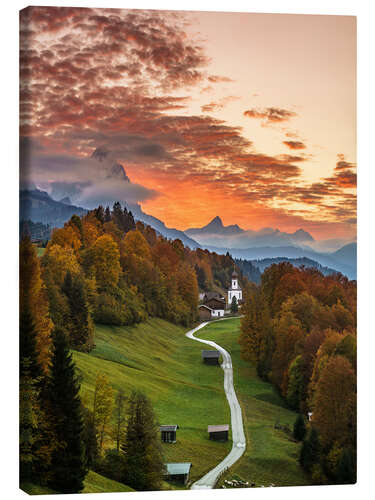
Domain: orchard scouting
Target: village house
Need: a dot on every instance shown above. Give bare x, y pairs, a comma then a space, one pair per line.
212, 307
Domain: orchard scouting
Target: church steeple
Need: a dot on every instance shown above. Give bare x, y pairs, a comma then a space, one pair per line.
235, 289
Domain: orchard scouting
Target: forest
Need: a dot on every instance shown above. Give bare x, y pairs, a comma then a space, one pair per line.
299, 329
101, 268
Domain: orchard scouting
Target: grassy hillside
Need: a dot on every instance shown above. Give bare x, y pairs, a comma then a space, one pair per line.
271, 456
156, 358
94, 483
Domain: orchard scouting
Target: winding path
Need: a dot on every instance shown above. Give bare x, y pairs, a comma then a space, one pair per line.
238, 436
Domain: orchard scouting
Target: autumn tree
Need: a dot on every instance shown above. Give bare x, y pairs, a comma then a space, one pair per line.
334, 402
141, 448
34, 300
288, 334
103, 404
105, 258
119, 416
256, 334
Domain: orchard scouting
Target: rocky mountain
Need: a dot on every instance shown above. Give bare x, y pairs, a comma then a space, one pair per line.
216, 226
116, 170
66, 200
38, 206
216, 234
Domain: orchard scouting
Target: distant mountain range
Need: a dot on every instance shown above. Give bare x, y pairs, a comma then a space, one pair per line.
343, 261
38, 206
267, 243
216, 234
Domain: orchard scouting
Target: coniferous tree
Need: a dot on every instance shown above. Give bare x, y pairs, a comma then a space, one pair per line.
234, 305
346, 468
68, 468
141, 447
310, 451
80, 323
30, 373
107, 214
99, 213
299, 428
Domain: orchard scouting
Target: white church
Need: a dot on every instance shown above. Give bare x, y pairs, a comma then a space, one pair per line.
234, 290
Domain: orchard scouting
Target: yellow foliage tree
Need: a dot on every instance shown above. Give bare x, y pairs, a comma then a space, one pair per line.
58, 260
106, 262
66, 237
33, 297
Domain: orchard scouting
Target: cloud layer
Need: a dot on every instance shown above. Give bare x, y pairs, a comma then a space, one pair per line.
123, 80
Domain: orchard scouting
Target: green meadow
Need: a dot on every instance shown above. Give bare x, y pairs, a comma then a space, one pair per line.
94, 483
271, 455
156, 358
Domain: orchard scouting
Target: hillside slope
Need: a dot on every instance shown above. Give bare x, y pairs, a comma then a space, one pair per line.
271, 456
156, 358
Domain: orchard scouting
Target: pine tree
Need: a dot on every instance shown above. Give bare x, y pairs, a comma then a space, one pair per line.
68, 463
80, 323
141, 448
310, 451
346, 468
234, 305
107, 215
30, 373
299, 429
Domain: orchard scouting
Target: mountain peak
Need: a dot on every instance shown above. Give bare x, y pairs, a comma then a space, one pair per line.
302, 235
215, 223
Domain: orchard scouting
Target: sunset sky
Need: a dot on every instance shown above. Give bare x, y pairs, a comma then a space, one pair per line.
251, 117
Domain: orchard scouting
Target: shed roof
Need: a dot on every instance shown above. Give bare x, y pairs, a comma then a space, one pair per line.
210, 354
178, 468
206, 307
168, 427
213, 295
215, 303
217, 428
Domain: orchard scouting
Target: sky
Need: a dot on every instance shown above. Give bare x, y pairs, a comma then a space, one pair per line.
251, 117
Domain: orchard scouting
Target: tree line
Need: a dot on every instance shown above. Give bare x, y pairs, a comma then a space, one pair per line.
102, 267
60, 439
299, 329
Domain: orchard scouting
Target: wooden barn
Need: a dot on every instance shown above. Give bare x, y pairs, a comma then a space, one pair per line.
168, 433
205, 312
218, 432
178, 472
211, 357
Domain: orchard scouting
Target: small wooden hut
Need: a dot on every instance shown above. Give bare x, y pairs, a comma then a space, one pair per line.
211, 357
218, 432
178, 472
168, 433
205, 312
